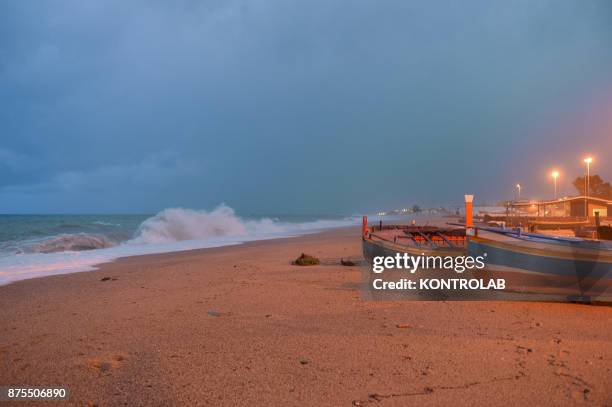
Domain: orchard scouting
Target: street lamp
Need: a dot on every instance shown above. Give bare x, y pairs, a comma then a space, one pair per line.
518, 186
588, 162
555, 175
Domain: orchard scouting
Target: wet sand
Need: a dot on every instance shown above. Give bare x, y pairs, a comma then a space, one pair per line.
242, 326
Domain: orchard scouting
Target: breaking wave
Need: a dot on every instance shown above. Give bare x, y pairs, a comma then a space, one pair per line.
170, 230
67, 242
177, 224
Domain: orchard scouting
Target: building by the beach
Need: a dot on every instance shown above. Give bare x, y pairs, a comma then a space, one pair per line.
567, 207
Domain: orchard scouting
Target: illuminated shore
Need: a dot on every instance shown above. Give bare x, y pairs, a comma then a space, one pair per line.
240, 325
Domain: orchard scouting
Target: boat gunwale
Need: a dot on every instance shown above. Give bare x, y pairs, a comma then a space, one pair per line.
546, 239
438, 250
587, 255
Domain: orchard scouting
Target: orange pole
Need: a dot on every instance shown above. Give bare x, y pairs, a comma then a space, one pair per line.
469, 222
364, 227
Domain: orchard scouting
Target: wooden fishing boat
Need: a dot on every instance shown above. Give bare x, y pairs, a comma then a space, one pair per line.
548, 267
388, 240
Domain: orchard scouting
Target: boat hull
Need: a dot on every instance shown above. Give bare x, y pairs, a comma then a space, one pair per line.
374, 248
546, 268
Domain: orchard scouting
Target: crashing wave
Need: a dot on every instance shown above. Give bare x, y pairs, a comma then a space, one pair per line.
177, 224
170, 230
69, 242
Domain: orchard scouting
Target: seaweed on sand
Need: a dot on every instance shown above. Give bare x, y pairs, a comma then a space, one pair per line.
306, 260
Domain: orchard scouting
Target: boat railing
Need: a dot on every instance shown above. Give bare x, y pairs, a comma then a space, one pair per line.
431, 239
519, 234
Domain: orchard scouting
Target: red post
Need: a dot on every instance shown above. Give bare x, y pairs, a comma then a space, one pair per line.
364, 227
469, 222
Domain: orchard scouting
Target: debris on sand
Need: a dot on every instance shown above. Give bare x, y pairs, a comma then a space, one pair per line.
105, 279
347, 263
306, 260
104, 365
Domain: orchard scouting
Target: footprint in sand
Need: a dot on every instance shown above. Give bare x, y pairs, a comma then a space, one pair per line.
576, 388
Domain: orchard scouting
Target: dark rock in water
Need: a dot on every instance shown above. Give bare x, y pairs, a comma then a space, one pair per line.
306, 260
105, 279
347, 263
303, 362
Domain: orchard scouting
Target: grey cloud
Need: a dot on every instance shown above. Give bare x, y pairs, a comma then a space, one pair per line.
321, 106
13, 160
158, 177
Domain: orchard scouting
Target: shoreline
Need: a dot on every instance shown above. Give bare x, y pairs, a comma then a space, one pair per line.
93, 265
241, 325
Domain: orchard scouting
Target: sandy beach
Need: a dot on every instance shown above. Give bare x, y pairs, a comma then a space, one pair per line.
243, 326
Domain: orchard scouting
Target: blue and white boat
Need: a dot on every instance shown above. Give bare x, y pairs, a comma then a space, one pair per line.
545, 267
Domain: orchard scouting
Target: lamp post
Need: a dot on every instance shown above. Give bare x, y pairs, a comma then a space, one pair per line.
518, 187
555, 175
588, 162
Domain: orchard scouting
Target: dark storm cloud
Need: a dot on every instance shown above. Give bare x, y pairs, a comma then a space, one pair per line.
293, 107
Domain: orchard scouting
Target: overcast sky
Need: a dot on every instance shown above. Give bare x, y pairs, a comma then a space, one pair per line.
300, 107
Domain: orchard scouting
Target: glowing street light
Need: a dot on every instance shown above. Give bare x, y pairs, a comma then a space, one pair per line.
518, 187
588, 162
555, 175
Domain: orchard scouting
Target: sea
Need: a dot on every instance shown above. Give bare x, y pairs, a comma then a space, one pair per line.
41, 245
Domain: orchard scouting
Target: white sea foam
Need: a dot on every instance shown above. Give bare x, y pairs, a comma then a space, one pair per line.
101, 223
171, 225
170, 230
